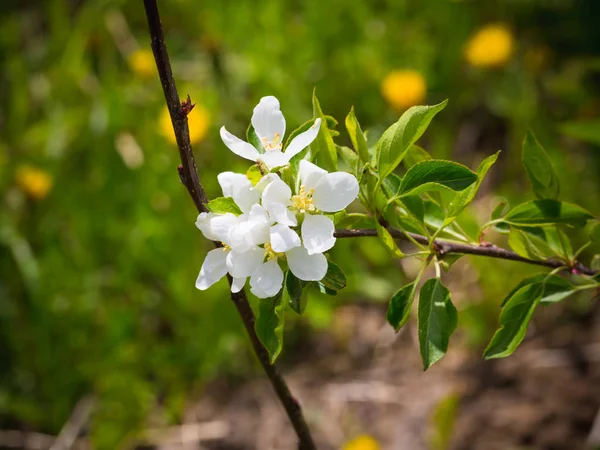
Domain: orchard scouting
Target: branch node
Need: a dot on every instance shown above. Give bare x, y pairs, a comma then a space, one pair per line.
187, 105
181, 173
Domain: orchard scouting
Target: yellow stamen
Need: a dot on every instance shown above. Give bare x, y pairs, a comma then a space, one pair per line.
303, 201
225, 247
273, 144
271, 254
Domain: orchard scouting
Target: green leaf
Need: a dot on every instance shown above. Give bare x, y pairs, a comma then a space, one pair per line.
414, 155
527, 246
595, 234
435, 174
542, 175
547, 212
585, 130
269, 324
334, 278
222, 205
388, 240
359, 141
400, 306
465, 197
356, 221
253, 139
324, 289
554, 288
437, 321
514, 319
398, 138
499, 210
253, 174
323, 146
350, 158
415, 205
294, 289
391, 186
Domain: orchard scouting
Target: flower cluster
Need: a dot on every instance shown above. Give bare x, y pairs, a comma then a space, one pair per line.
280, 227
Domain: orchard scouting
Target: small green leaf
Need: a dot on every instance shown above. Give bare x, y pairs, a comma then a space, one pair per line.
524, 245
356, 221
388, 240
400, 306
595, 234
514, 319
435, 174
222, 205
547, 212
359, 141
391, 186
269, 324
335, 278
398, 139
324, 289
294, 289
554, 288
253, 174
542, 175
437, 321
414, 204
499, 210
253, 139
465, 197
414, 155
323, 146
350, 158
585, 130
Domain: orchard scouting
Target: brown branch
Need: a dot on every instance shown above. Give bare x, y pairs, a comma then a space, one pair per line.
189, 177
442, 248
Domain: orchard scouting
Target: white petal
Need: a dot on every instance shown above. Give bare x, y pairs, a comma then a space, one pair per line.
213, 269
306, 267
241, 237
317, 233
283, 238
203, 222
239, 147
267, 120
267, 280
259, 214
303, 140
222, 226
335, 191
238, 284
276, 192
265, 181
274, 158
281, 214
310, 174
243, 264
238, 187
230, 182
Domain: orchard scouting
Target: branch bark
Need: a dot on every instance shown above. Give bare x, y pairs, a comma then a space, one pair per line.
189, 177
443, 247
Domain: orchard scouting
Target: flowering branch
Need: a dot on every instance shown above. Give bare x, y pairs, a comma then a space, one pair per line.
189, 177
442, 248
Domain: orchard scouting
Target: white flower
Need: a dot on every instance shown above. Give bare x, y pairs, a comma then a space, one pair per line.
319, 192
269, 125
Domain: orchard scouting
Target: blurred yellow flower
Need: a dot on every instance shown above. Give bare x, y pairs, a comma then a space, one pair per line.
491, 46
36, 183
404, 88
198, 122
363, 442
142, 63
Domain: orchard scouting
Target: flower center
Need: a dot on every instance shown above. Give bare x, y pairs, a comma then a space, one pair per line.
303, 201
273, 144
271, 254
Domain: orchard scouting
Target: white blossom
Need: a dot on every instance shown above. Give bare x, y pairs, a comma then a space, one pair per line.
319, 192
269, 124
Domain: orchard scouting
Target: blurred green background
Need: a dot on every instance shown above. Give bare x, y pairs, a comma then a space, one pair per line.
98, 249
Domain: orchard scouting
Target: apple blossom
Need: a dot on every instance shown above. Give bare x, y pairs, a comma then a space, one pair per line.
269, 125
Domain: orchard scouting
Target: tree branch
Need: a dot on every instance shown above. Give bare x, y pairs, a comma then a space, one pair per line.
189, 177
445, 247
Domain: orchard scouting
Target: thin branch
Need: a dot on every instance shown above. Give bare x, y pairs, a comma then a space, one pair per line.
72, 428
189, 177
443, 247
